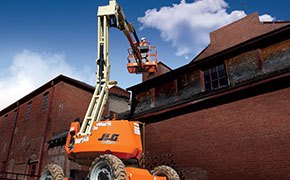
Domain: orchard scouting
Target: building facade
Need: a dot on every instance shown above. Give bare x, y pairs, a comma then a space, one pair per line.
34, 129
225, 115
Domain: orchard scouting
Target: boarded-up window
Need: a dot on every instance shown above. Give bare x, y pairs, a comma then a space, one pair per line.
28, 110
4, 122
14, 116
45, 102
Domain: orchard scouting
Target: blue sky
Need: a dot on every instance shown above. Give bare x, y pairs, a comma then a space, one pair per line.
41, 39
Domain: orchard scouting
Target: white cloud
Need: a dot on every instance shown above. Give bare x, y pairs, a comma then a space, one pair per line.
187, 25
266, 17
29, 70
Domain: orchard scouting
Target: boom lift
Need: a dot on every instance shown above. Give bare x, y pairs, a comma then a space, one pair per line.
108, 145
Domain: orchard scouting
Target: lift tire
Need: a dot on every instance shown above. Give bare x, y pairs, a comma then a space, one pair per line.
52, 172
166, 171
107, 167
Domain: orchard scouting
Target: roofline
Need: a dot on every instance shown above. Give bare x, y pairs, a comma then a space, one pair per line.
200, 53
261, 22
244, 45
274, 22
165, 65
247, 45
47, 85
54, 81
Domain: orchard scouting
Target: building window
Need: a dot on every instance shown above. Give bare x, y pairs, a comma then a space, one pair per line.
28, 110
215, 78
4, 121
45, 102
14, 116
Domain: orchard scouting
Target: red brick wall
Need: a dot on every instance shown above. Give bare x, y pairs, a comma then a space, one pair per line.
6, 129
30, 132
66, 102
161, 69
244, 139
28, 135
237, 32
119, 91
69, 103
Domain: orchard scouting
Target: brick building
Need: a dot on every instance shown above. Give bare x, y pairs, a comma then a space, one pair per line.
33, 129
226, 114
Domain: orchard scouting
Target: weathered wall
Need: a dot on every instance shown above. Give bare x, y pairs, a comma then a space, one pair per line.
245, 139
117, 104
276, 57
189, 84
144, 101
242, 67
257, 63
165, 93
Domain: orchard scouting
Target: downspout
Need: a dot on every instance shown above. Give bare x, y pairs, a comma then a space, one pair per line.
46, 129
12, 137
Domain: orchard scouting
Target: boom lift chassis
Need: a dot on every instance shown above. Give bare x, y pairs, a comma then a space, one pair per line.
107, 146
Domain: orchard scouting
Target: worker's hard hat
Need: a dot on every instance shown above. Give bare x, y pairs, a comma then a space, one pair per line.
143, 38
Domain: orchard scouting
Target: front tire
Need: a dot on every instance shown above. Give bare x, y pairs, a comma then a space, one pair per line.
166, 171
52, 172
107, 167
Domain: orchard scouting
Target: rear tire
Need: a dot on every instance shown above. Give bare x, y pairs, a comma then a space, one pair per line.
166, 171
52, 172
107, 167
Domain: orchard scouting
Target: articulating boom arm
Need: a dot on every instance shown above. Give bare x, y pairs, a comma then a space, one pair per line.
108, 16
127, 29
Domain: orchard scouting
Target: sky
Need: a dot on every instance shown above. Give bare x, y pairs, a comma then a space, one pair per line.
41, 39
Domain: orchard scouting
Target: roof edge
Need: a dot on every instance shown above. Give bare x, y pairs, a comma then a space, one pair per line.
54, 81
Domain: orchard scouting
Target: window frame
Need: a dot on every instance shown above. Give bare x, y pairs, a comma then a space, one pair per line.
213, 75
28, 110
45, 102
14, 116
4, 122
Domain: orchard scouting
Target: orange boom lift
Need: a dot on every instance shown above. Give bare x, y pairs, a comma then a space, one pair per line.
112, 148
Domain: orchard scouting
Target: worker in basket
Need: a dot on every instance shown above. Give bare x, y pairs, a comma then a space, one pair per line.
144, 49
